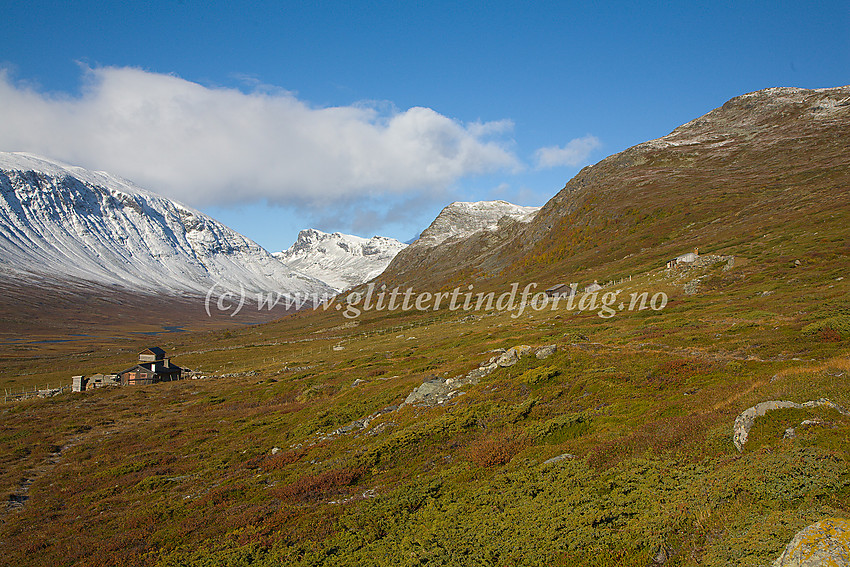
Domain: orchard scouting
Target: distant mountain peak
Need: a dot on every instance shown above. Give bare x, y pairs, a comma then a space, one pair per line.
340, 260
22, 161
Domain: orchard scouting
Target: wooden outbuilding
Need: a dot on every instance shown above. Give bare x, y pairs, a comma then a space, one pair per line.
78, 383
561, 290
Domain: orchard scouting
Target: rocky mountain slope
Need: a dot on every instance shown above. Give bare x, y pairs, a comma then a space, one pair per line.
70, 223
459, 220
458, 224
340, 260
767, 158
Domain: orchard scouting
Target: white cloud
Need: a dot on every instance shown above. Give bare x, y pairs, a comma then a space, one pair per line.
209, 146
574, 154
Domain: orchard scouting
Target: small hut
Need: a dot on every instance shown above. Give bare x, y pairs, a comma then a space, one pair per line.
688, 258
78, 383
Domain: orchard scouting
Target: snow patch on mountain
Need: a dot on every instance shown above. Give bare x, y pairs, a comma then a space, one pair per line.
340, 260
74, 223
461, 219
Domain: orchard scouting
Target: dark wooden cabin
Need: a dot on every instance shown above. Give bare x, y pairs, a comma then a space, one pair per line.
561, 290
153, 367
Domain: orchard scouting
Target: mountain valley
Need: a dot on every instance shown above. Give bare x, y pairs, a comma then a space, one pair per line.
561, 433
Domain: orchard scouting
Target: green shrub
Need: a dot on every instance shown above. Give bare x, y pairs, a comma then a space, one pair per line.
446, 424
153, 482
560, 428
538, 375
520, 411
838, 324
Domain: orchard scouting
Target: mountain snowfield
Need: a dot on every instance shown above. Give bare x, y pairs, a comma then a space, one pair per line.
340, 260
461, 219
71, 223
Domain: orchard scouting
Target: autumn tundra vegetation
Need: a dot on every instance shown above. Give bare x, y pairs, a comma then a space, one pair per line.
558, 437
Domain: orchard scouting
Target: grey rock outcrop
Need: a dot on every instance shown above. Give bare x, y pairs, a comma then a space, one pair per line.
482, 371
546, 351
824, 543
512, 355
434, 392
558, 459
744, 422
440, 390
362, 423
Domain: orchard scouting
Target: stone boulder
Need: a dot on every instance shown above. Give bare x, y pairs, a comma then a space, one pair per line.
440, 390
546, 351
362, 423
512, 355
824, 543
482, 371
430, 392
744, 422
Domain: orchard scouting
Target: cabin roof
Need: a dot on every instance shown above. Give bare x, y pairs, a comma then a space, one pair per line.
156, 351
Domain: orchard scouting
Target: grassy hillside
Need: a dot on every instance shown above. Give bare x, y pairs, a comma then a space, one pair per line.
764, 175
267, 460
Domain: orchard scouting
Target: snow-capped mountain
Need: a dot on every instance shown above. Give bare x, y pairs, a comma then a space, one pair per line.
461, 219
68, 222
340, 260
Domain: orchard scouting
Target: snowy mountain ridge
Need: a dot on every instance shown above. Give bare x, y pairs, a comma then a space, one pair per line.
70, 222
340, 260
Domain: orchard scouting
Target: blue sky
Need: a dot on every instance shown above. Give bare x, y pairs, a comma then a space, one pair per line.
369, 117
